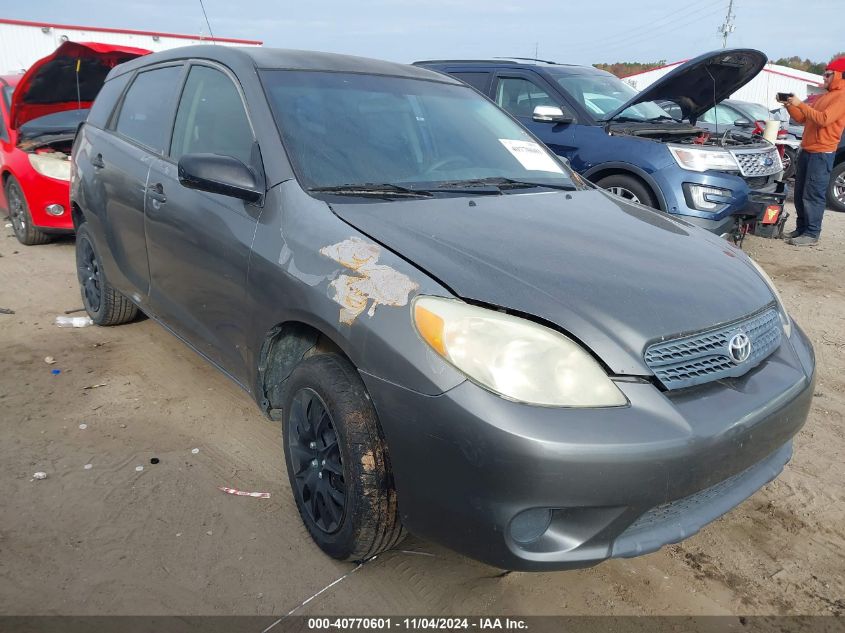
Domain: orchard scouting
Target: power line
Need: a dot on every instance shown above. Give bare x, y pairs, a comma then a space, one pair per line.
675, 24
647, 31
207, 23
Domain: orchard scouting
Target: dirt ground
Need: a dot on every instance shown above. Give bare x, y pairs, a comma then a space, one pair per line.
112, 540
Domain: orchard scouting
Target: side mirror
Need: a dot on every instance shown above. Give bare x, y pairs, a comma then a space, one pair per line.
224, 175
551, 114
743, 123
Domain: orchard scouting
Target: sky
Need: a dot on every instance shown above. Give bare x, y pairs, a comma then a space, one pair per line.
408, 30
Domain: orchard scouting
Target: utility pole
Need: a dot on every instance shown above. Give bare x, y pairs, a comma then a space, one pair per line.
728, 27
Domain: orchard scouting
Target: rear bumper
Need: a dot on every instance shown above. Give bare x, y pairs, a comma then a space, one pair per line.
534, 488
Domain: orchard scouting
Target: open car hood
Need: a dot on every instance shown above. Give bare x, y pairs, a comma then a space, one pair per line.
67, 79
699, 84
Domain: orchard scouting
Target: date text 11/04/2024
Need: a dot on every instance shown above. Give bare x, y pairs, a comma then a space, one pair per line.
417, 623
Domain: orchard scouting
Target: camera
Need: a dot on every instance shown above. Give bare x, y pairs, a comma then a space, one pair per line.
783, 96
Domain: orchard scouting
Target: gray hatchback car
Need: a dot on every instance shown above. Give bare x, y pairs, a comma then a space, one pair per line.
460, 336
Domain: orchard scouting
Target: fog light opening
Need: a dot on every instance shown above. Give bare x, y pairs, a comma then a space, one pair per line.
705, 198
526, 527
54, 209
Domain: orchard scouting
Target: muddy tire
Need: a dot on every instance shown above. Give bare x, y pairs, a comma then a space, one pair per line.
629, 188
104, 304
27, 233
337, 460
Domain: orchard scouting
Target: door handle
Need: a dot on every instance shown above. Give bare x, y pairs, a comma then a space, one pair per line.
156, 193
97, 161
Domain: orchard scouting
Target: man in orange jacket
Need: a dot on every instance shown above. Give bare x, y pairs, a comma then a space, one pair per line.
823, 124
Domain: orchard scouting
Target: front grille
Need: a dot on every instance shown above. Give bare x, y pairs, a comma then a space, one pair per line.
755, 162
757, 182
705, 356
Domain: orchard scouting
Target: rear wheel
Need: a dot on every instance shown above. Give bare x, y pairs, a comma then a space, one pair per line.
836, 188
629, 188
337, 460
26, 232
104, 304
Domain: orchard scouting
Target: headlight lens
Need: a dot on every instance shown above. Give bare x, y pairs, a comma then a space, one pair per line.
699, 159
51, 166
512, 357
784, 316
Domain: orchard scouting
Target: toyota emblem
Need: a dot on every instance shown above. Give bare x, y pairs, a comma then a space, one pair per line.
739, 347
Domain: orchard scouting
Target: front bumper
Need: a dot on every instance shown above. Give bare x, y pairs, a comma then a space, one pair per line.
533, 488
741, 205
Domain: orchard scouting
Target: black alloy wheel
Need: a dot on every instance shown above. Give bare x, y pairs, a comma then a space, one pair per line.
90, 280
318, 466
337, 460
103, 303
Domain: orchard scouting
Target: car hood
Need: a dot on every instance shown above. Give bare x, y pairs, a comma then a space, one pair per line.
613, 275
67, 79
699, 84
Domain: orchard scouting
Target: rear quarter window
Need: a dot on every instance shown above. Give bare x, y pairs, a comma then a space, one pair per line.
106, 100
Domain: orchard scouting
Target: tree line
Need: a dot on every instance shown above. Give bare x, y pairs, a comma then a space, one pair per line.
623, 69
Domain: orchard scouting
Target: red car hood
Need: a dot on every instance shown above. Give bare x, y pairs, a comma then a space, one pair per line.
67, 79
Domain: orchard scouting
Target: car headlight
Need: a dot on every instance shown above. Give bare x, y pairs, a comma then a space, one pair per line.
699, 159
784, 316
513, 357
50, 166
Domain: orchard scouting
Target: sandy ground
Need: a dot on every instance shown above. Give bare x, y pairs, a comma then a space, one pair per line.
112, 540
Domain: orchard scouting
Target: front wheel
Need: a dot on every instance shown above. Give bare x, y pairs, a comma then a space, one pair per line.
788, 160
27, 233
104, 304
629, 188
836, 188
337, 460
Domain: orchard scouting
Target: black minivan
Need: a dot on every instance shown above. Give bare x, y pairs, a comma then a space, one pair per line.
460, 337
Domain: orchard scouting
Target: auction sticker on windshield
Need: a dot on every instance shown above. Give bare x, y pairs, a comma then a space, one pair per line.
531, 155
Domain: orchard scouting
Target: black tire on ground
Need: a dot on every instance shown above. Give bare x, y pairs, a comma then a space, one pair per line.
630, 188
789, 157
337, 463
27, 233
104, 304
836, 188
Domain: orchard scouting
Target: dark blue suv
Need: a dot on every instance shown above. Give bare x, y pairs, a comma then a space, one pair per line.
624, 141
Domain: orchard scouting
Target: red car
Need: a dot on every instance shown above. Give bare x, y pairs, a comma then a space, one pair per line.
41, 110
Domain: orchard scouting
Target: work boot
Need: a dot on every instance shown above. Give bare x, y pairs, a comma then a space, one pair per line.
789, 236
803, 240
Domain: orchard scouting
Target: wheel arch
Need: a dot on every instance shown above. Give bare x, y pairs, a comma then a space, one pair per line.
282, 348
627, 169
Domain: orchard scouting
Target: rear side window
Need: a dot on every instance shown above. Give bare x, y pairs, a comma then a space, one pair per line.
211, 118
106, 100
479, 81
147, 109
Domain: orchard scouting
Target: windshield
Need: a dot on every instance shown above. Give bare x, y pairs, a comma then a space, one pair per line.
601, 95
7, 95
358, 129
756, 112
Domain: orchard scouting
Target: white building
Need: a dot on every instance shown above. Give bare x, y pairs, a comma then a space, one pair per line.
762, 89
22, 42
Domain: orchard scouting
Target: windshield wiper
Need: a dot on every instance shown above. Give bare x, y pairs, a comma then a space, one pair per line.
499, 182
625, 119
387, 190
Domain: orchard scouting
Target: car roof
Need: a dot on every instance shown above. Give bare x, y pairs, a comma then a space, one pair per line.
517, 62
256, 57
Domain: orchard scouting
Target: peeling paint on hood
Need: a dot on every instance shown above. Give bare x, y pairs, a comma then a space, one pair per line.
374, 282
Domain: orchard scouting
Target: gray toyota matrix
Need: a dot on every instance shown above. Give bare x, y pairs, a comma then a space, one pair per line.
460, 336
